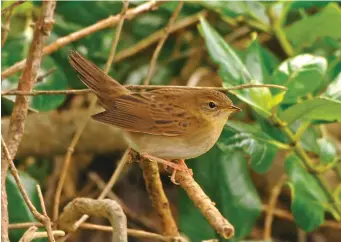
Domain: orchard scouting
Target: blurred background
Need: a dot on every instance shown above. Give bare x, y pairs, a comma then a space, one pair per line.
296, 44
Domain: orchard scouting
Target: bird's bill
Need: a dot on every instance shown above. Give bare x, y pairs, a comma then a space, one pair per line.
235, 108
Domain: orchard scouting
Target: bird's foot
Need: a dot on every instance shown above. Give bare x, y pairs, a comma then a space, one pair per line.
180, 166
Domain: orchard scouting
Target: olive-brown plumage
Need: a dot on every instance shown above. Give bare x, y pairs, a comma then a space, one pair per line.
169, 123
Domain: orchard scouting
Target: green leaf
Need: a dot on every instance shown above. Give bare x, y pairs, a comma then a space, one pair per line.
259, 146
237, 197
320, 108
302, 75
327, 150
18, 211
308, 199
231, 68
323, 24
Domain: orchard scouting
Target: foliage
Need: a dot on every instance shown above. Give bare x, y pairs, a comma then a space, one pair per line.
303, 54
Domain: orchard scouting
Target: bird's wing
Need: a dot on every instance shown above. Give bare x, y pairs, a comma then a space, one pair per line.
149, 112
106, 88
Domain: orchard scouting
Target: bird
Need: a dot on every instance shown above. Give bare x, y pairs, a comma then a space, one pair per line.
165, 124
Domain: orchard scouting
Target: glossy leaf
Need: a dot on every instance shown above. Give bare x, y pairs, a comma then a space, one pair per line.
316, 109
323, 24
334, 89
237, 198
327, 150
259, 146
308, 199
18, 211
231, 68
302, 75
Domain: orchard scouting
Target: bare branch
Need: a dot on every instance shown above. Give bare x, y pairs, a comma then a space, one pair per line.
107, 208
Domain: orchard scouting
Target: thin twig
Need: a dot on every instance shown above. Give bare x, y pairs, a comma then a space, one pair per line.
161, 42
116, 38
27, 79
47, 221
90, 226
40, 217
46, 74
83, 125
153, 38
100, 25
136, 87
11, 7
276, 190
137, 218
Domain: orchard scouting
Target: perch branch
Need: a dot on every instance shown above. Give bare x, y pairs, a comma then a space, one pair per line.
161, 42
31, 234
204, 203
17, 124
100, 25
107, 208
81, 128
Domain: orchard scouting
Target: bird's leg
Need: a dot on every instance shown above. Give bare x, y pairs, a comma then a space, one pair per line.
176, 167
183, 164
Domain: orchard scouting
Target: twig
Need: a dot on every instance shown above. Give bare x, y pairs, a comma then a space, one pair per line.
40, 217
157, 195
90, 226
83, 125
11, 7
31, 234
26, 81
117, 36
204, 203
100, 25
276, 190
151, 39
283, 214
107, 208
161, 42
5, 27
46, 74
136, 87
144, 221
47, 222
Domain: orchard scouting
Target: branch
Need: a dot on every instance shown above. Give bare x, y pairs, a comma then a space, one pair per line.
11, 7
17, 124
101, 208
161, 42
31, 234
204, 203
47, 222
100, 25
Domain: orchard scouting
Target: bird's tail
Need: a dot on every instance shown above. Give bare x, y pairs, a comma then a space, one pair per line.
106, 88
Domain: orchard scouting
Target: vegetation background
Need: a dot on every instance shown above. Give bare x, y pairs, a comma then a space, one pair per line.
275, 172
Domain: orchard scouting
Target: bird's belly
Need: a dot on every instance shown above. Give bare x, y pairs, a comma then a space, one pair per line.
170, 148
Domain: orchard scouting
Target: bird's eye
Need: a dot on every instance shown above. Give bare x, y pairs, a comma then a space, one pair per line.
212, 105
